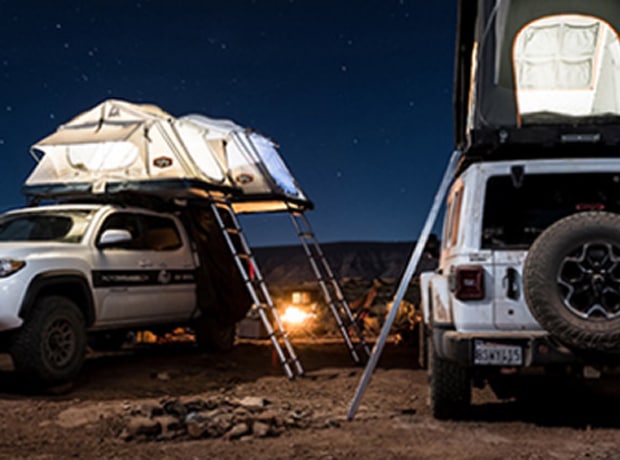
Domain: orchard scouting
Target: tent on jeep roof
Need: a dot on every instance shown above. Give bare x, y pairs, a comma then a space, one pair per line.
119, 147
545, 74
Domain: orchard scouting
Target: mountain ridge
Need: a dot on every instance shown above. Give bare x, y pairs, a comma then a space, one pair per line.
288, 265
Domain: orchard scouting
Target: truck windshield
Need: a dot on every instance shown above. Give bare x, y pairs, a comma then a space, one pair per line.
63, 226
516, 212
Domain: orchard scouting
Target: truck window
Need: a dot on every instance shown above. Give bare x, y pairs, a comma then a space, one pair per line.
451, 229
149, 233
160, 233
129, 222
514, 215
66, 226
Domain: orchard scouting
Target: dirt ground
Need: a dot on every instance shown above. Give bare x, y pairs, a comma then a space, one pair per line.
393, 421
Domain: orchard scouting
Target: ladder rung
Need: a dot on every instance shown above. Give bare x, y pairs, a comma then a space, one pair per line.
233, 231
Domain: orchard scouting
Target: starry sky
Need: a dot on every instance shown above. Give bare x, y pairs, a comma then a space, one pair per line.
356, 92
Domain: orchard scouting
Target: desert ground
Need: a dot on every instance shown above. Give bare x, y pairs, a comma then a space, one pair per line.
109, 411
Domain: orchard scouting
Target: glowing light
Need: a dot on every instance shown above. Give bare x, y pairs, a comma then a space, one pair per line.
295, 316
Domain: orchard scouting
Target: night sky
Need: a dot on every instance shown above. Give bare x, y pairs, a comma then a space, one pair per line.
356, 92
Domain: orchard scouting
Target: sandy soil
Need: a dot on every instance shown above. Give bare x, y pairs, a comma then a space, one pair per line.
393, 421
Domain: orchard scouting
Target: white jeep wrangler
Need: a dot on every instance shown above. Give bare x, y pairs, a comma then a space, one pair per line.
74, 272
528, 278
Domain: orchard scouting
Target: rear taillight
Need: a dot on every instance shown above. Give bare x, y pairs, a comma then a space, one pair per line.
469, 282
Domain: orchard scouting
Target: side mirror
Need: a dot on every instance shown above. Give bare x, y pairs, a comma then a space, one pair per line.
114, 238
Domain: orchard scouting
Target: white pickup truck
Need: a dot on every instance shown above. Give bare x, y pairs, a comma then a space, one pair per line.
75, 274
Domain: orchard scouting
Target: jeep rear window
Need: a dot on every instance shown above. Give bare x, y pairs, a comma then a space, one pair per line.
66, 226
516, 213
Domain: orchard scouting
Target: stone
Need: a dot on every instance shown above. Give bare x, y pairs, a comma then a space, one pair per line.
241, 415
143, 426
148, 409
253, 402
220, 425
171, 427
260, 429
196, 425
269, 416
238, 431
163, 376
174, 407
193, 404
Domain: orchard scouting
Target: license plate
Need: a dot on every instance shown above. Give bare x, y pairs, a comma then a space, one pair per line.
497, 354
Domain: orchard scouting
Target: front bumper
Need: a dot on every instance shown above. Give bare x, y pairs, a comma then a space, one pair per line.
538, 348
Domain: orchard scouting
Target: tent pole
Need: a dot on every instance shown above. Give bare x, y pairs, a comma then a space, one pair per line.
404, 283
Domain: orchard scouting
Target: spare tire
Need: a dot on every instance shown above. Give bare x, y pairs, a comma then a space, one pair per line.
571, 281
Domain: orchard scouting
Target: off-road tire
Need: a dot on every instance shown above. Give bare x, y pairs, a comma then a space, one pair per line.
449, 385
50, 347
545, 289
212, 336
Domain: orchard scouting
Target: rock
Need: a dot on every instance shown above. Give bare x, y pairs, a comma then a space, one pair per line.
143, 426
253, 402
164, 376
193, 404
241, 415
220, 425
171, 427
148, 409
260, 429
196, 425
269, 416
238, 430
174, 407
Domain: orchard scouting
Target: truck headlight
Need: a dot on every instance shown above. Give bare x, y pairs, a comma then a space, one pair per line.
10, 266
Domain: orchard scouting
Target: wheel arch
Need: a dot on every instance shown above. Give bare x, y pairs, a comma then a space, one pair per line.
67, 283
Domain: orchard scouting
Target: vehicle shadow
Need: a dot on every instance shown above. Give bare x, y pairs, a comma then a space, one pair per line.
581, 405
157, 370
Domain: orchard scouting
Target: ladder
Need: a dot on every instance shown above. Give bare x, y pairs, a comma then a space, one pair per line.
255, 283
332, 292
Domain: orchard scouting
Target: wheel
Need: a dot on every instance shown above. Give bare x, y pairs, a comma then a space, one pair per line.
450, 387
211, 335
108, 340
571, 281
51, 345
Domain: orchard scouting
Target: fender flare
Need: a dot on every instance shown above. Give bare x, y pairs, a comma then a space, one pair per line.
47, 280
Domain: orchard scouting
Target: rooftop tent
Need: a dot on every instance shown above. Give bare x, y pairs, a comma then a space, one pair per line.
543, 73
122, 147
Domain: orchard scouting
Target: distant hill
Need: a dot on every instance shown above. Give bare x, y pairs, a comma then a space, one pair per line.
288, 265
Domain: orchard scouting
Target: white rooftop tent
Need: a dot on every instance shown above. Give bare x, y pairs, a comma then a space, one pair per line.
122, 147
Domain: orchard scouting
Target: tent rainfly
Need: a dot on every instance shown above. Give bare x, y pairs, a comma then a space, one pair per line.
122, 147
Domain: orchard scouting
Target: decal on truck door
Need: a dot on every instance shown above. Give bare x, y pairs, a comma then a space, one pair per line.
114, 278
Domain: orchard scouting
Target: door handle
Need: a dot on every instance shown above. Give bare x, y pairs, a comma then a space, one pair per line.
145, 263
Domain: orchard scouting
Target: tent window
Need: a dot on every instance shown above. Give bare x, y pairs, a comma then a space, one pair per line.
567, 66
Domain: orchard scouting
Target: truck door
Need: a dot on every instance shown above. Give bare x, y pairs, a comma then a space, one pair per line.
149, 279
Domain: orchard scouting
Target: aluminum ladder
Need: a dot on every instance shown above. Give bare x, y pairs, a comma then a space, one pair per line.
255, 283
359, 349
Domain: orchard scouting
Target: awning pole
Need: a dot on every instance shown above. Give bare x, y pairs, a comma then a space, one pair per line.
404, 283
